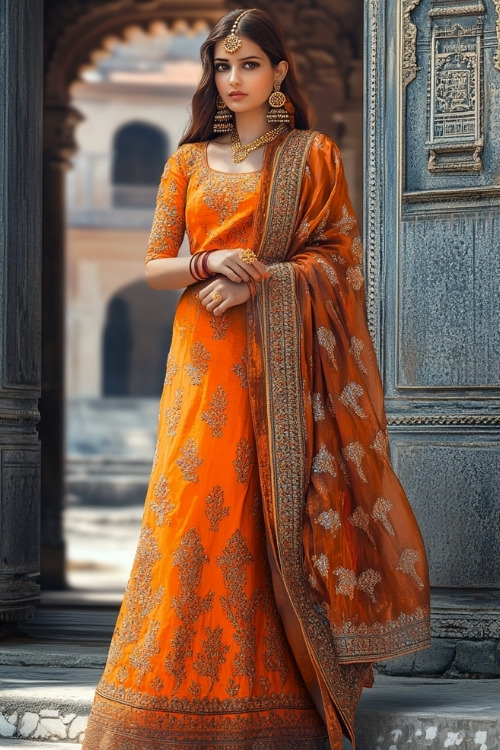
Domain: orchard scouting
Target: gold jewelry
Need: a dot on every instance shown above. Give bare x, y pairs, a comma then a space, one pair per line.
247, 256
277, 112
240, 152
232, 42
223, 120
217, 297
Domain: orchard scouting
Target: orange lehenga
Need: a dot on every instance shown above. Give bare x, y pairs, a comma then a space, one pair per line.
278, 555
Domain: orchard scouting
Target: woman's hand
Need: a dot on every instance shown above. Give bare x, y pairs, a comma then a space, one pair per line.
229, 264
231, 293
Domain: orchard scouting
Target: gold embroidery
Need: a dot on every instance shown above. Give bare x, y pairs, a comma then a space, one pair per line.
189, 558
361, 519
243, 461
208, 663
169, 223
322, 564
355, 277
216, 416
240, 369
216, 510
232, 688
330, 272
313, 582
331, 405
220, 324
143, 653
161, 505
324, 462
355, 453
172, 369
357, 249
381, 444
409, 558
356, 348
121, 674
189, 462
346, 582
318, 410
327, 340
367, 581
380, 510
349, 397
346, 223
240, 609
200, 357
173, 413
330, 520
157, 684
195, 689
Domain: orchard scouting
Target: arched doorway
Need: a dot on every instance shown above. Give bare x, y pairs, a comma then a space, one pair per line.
138, 149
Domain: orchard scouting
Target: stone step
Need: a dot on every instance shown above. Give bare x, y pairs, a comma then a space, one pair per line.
47, 703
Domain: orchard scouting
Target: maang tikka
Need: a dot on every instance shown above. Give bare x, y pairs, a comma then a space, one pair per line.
232, 42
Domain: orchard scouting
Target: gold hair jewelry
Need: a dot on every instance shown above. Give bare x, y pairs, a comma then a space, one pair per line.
277, 112
232, 42
223, 120
217, 297
247, 256
240, 152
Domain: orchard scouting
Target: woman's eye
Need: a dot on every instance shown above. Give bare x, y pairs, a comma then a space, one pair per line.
251, 65
220, 67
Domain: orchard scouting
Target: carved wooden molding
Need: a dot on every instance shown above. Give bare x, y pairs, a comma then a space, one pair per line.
410, 68
371, 220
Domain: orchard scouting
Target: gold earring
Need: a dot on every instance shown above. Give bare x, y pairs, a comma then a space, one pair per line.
277, 112
223, 120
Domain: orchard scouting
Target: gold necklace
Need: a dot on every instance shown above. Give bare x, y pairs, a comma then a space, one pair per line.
241, 152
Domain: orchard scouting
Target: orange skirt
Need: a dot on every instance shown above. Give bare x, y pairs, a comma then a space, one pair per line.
199, 658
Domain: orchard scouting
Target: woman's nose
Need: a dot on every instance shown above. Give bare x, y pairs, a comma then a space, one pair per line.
234, 75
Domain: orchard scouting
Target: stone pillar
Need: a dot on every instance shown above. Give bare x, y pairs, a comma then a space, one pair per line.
58, 147
20, 218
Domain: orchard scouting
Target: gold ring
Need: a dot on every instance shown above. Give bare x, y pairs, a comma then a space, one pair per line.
247, 256
217, 296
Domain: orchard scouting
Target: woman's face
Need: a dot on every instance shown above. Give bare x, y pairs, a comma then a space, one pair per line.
245, 78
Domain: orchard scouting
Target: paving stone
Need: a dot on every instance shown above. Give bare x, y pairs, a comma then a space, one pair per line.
55, 727
28, 724
6, 728
77, 727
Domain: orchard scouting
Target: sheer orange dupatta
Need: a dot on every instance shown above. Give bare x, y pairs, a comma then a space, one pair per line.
348, 560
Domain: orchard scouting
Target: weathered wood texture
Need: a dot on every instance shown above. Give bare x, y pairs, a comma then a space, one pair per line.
20, 289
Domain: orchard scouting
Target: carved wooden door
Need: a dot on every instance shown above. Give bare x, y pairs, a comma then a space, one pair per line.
432, 236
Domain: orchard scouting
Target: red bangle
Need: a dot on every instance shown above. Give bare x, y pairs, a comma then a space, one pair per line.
204, 264
196, 266
191, 267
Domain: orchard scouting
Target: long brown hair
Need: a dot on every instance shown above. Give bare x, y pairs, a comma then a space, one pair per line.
261, 28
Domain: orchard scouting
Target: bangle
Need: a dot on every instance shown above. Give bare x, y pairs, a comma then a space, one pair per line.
191, 267
204, 265
196, 268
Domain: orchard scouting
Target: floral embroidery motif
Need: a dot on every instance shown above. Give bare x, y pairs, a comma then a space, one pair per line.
157, 684
367, 581
208, 663
327, 340
324, 462
355, 453
189, 558
346, 223
356, 349
330, 272
409, 558
331, 405
240, 609
318, 410
200, 357
172, 370
168, 224
355, 277
346, 582
216, 510
161, 505
189, 462
361, 520
173, 413
240, 369
322, 564
380, 510
357, 248
349, 397
141, 657
330, 520
216, 416
220, 324
319, 235
313, 582
381, 444
243, 461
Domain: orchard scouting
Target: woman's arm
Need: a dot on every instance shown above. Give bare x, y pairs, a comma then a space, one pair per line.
169, 273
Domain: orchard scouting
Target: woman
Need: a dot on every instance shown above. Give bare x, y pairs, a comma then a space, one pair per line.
278, 555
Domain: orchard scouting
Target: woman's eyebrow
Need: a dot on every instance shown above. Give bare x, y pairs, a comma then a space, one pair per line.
240, 59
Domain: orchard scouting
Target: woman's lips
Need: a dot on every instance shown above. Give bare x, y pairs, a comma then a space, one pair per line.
237, 95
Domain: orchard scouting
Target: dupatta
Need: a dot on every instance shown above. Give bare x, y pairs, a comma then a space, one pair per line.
347, 557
